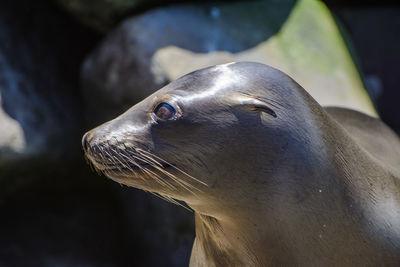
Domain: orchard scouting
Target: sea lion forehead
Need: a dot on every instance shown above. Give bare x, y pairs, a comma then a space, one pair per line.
206, 83
224, 80
221, 81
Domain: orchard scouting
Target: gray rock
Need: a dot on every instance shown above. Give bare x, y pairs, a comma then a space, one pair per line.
12, 139
40, 105
102, 15
26, 118
57, 213
146, 52
99, 14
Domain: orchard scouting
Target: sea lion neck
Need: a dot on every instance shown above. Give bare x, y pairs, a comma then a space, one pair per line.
223, 243
324, 208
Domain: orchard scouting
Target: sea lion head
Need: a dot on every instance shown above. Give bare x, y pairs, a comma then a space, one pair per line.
219, 132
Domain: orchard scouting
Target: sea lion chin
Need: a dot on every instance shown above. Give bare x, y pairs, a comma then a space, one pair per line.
273, 178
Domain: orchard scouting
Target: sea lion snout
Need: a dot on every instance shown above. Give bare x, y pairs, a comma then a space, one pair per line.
106, 136
123, 130
91, 139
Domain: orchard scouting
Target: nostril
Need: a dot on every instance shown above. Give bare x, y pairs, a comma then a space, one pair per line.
85, 144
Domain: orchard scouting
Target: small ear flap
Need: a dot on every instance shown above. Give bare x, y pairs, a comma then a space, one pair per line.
264, 108
252, 103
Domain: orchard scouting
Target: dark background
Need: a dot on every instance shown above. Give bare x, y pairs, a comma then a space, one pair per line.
53, 210
374, 29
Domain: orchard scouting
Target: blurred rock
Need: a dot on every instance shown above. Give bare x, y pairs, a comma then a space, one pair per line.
100, 14
58, 213
12, 138
55, 212
146, 52
40, 105
27, 115
104, 14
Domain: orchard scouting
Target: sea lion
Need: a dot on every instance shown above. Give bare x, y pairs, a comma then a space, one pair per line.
273, 178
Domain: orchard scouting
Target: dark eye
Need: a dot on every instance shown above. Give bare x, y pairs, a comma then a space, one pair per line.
164, 111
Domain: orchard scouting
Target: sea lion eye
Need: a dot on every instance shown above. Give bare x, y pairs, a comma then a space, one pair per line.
164, 111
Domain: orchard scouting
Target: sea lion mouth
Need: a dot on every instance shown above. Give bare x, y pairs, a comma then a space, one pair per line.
118, 166
114, 159
123, 161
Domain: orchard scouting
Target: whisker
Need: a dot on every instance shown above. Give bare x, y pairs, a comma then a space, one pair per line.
110, 158
179, 181
141, 168
119, 159
149, 172
103, 158
146, 160
160, 180
184, 184
178, 169
160, 168
151, 159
